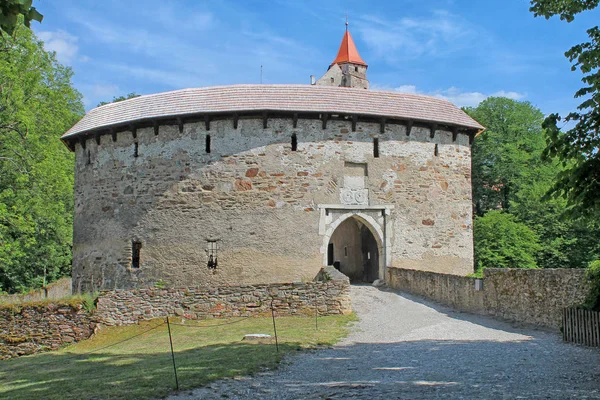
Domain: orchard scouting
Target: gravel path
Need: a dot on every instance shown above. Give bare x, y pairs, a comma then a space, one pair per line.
404, 347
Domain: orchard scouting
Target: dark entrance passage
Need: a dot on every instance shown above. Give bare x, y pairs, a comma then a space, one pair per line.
354, 248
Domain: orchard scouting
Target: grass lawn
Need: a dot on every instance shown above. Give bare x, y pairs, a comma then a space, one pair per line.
141, 368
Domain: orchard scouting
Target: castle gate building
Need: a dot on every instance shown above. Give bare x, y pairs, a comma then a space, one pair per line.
269, 183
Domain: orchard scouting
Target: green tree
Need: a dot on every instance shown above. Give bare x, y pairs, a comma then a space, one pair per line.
119, 98
510, 174
504, 242
507, 153
37, 104
578, 146
12, 10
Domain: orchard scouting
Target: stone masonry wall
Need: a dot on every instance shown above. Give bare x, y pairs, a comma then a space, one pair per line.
533, 296
35, 327
250, 190
123, 307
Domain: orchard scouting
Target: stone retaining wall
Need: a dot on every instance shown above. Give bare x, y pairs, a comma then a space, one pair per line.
56, 290
123, 307
34, 327
533, 296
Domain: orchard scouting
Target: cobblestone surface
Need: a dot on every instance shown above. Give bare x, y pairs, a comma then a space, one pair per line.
407, 348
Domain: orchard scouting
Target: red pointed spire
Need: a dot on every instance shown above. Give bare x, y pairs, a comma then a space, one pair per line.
348, 52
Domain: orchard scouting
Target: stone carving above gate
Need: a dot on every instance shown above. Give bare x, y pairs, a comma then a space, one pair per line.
358, 197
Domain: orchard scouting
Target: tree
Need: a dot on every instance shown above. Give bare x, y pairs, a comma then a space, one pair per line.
120, 98
510, 174
37, 104
507, 153
504, 242
577, 147
12, 10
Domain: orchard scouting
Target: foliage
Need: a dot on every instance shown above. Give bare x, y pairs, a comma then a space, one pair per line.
12, 10
507, 153
510, 174
593, 274
504, 242
120, 98
116, 368
577, 147
37, 105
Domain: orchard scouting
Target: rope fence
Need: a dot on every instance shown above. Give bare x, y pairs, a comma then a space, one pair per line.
172, 335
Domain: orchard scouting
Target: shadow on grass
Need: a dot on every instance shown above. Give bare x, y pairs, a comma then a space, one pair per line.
132, 375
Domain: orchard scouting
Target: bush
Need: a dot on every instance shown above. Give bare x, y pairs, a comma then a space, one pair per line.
501, 241
593, 274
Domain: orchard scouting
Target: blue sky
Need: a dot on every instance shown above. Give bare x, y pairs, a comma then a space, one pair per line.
463, 50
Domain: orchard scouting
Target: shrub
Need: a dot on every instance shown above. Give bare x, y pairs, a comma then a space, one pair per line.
592, 302
501, 241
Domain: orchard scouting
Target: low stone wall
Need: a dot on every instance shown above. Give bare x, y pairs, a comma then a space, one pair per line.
533, 296
34, 327
54, 291
454, 291
123, 307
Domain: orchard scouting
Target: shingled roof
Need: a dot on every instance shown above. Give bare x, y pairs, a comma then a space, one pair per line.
272, 98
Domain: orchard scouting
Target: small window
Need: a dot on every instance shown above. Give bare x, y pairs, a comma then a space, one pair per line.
294, 142
207, 143
355, 69
368, 255
212, 249
375, 147
345, 251
436, 151
136, 250
332, 80
88, 161
136, 148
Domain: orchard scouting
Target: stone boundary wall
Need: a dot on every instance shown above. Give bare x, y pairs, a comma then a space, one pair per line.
33, 328
532, 296
123, 307
53, 291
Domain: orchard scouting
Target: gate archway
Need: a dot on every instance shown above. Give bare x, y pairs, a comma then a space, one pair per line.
354, 246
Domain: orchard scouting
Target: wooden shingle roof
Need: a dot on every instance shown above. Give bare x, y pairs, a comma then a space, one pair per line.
272, 98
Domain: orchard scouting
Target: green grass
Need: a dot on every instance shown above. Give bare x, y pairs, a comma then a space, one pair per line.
141, 368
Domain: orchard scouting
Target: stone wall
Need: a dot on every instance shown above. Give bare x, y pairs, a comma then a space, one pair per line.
32, 328
252, 188
533, 296
454, 291
123, 307
56, 290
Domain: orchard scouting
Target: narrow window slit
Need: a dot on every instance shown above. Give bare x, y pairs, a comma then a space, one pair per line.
294, 142
376, 147
436, 151
136, 149
136, 249
345, 251
208, 143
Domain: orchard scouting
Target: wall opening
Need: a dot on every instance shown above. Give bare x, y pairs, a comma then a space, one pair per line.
355, 250
212, 249
136, 250
436, 151
294, 142
207, 144
376, 147
136, 148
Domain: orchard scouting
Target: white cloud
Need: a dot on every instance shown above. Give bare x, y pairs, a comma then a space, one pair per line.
94, 94
61, 42
438, 34
458, 97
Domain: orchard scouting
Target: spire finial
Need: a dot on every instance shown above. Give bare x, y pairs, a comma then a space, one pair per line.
346, 21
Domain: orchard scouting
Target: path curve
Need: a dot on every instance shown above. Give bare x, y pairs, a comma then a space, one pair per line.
404, 347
